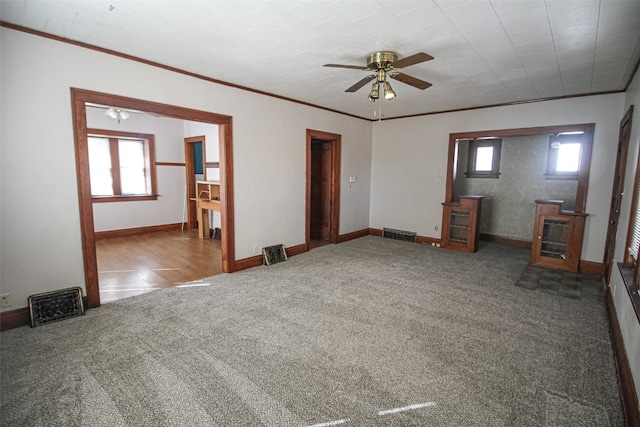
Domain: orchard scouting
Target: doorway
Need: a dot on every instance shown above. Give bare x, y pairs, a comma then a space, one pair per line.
195, 171
617, 192
323, 188
80, 98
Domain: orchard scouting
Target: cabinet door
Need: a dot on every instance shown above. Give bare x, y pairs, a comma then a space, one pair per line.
553, 241
459, 221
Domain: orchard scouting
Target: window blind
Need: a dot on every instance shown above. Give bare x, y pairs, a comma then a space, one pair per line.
634, 246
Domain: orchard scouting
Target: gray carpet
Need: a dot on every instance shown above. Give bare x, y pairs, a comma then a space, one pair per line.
371, 332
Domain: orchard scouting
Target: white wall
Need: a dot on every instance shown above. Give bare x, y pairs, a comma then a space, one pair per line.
626, 316
41, 244
407, 193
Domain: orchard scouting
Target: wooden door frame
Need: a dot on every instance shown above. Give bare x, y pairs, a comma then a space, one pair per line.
190, 171
335, 142
617, 190
585, 160
79, 98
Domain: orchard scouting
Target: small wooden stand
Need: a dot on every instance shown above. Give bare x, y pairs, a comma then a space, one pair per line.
461, 224
557, 236
208, 199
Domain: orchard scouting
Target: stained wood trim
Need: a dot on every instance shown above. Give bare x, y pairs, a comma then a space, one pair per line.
162, 66
14, 318
591, 267
375, 232
212, 164
135, 231
170, 164
353, 235
428, 240
585, 162
256, 260
250, 262
78, 99
627, 385
510, 241
336, 146
20, 317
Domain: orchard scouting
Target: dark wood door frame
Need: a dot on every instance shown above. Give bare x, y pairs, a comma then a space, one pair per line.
79, 98
617, 192
585, 160
335, 142
190, 170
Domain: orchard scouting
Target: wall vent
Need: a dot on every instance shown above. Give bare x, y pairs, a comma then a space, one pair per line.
406, 236
57, 305
274, 254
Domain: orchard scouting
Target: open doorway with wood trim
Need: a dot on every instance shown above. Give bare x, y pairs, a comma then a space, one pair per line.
323, 188
80, 100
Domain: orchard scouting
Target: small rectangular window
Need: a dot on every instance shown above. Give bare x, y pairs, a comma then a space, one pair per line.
484, 158
121, 166
564, 156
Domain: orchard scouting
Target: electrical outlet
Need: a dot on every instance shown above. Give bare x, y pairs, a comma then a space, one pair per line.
255, 249
5, 300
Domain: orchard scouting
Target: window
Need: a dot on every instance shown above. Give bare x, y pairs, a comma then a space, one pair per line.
484, 158
565, 152
121, 166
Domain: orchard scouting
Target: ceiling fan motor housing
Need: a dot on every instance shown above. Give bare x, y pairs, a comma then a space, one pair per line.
381, 60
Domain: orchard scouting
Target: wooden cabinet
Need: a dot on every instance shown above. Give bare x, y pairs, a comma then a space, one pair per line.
208, 199
557, 236
461, 224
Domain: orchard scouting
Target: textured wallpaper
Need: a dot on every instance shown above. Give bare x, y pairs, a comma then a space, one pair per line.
508, 209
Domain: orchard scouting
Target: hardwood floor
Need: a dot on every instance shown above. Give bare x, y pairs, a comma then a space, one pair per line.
134, 265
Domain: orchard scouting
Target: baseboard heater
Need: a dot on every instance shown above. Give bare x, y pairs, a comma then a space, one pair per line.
406, 236
56, 305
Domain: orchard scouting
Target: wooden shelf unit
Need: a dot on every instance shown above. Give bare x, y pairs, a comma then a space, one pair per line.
557, 236
208, 199
461, 224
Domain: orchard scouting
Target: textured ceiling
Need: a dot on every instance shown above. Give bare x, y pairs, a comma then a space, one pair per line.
486, 52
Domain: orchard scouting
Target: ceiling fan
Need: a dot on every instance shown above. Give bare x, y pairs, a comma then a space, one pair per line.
385, 64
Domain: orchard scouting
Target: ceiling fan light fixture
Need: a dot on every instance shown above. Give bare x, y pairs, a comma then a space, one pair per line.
389, 94
117, 114
375, 92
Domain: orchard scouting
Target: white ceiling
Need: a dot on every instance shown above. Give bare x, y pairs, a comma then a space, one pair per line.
486, 52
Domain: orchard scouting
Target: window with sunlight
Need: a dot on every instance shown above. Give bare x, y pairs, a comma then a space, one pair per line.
565, 151
484, 158
121, 166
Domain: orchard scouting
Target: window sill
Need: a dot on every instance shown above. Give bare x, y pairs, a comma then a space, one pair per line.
482, 175
561, 176
110, 199
627, 278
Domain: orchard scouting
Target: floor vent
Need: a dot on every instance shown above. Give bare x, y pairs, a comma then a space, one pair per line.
406, 236
274, 254
53, 306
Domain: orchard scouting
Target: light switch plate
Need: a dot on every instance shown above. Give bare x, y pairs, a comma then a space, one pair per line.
352, 179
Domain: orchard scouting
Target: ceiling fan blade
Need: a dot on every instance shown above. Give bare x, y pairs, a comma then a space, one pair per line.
412, 81
352, 67
412, 59
361, 83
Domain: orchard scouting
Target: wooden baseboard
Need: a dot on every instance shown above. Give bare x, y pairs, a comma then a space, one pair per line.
627, 385
506, 240
375, 232
14, 318
21, 317
428, 240
138, 230
255, 261
419, 239
591, 267
353, 235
